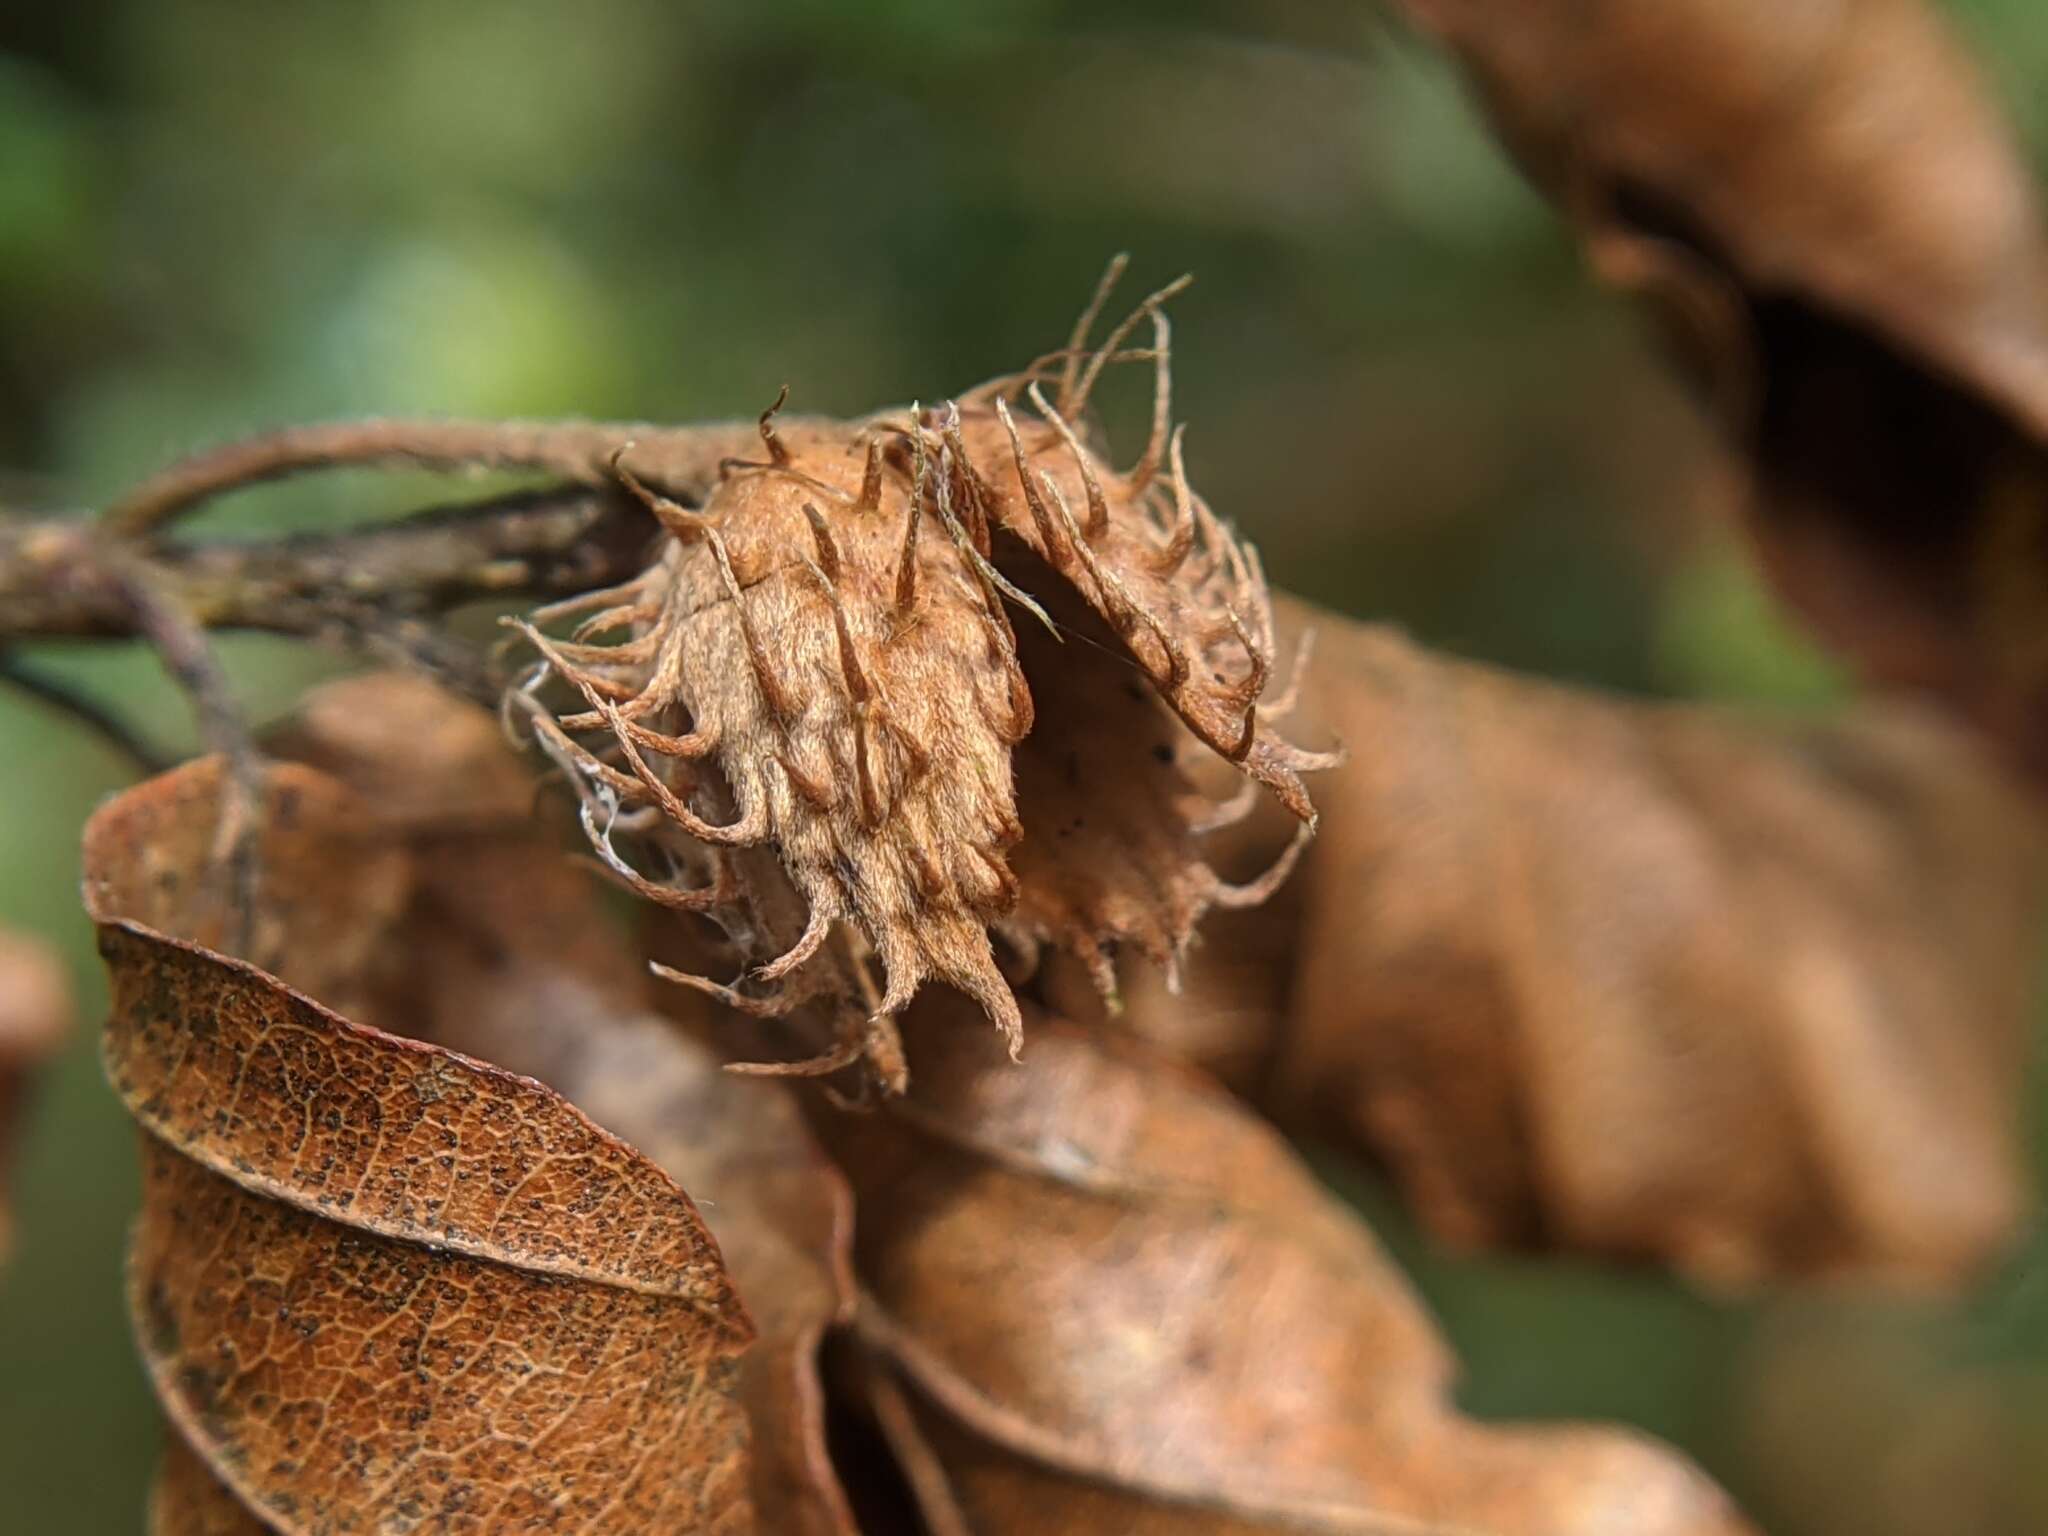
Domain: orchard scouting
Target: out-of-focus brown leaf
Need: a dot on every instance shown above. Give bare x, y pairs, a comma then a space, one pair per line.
375, 1281
1652, 981
421, 759
1822, 203
188, 1500
331, 887
35, 1016
504, 952
1106, 1298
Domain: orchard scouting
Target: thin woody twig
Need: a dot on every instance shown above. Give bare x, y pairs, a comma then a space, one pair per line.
182, 646
56, 581
376, 590
684, 461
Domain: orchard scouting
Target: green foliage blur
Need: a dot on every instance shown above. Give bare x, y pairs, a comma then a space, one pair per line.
216, 216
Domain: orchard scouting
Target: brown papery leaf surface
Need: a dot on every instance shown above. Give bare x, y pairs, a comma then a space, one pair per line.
1746, 997
1823, 204
35, 1016
1102, 1296
504, 951
188, 1500
375, 1283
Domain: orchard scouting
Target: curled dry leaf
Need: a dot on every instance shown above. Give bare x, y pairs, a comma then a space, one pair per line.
423, 762
1820, 199
1652, 981
782, 1215
375, 1281
338, 886
504, 951
188, 1500
35, 1016
1104, 1297
811, 718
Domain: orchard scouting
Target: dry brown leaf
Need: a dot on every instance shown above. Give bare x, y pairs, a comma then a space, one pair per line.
1822, 203
331, 888
188, 1500
420, 759
782, 1215
35, 1016
504, 952
1647, 980
1106, 1298
374, 1280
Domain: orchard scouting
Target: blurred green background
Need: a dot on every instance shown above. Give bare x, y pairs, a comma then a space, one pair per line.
215, 217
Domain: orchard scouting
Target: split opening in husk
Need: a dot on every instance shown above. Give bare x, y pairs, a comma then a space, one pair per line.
905, 689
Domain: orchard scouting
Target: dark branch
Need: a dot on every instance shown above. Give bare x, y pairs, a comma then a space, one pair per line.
63, 579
